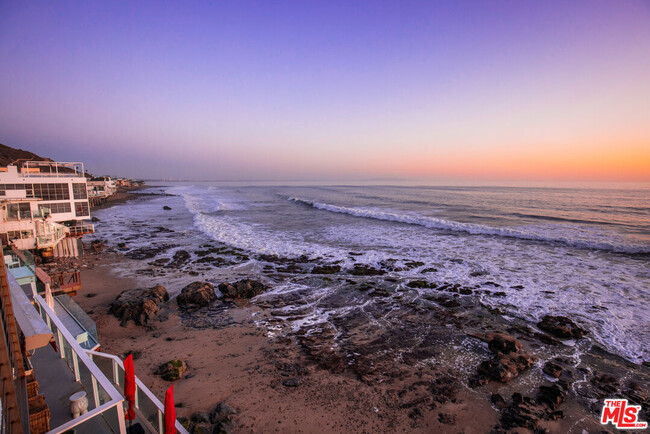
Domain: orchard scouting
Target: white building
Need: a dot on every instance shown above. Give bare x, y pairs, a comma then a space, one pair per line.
44, 206
101, 187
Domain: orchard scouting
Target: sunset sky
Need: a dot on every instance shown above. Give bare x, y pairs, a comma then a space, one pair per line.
305, 90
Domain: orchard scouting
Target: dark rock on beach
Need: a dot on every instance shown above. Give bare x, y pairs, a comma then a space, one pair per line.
196, 294
506, 367
326, 269
167, 208
553, 369
366, 270
179, 259
139, 305
561, 327
510, 360
247, 288
420, 284
501, 343
97, 246
172, 370
527, 413
144, 252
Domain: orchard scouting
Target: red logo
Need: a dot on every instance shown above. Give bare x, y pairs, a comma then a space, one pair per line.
622, 415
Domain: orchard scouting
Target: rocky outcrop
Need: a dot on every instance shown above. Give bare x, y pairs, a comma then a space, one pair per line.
247, 288
505, 367
326, 269
509, 361
553, 369
561, 327
366, 270
196, 294
218, 420
139, 305
524, 412
146, 252
97, 246
173, 370
179, 259
501, 343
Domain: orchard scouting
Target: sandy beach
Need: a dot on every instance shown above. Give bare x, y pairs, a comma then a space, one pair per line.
240, 365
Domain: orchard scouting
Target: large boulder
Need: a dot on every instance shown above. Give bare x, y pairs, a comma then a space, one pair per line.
561, 327
196, 294
501, 343
247, 288
172, 370
508, 362
139, 305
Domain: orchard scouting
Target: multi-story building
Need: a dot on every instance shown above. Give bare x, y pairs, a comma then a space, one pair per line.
44, 207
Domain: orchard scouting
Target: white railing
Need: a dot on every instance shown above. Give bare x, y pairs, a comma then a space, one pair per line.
81, 228
52, 169
49, 239
146, 403
104, 399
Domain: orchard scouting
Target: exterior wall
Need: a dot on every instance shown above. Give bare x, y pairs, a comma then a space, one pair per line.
60, 189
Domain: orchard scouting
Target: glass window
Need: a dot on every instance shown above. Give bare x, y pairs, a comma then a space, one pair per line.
79, 191
24, 210
81, 209
52, 191
56, 208
12, 211
17, 211
17, 235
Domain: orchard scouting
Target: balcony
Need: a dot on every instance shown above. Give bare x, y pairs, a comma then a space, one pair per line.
66, 283
81, 228
100, 375
51, 238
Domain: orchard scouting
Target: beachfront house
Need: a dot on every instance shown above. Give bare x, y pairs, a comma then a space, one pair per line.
100, 188
44, 207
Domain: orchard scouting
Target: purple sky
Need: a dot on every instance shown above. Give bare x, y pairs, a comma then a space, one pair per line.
330, 90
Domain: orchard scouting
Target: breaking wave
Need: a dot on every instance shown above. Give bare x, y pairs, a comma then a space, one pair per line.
574, 236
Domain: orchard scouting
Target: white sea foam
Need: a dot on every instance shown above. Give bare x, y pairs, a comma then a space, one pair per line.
250, 236
569, 235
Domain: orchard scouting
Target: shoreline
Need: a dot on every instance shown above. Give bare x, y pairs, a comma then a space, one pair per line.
290, 382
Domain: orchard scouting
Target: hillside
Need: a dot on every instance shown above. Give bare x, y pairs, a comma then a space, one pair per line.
8, 155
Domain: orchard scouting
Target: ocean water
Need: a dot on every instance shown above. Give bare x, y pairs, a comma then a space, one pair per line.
568, 250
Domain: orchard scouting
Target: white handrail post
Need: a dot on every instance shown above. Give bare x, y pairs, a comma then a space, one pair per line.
75, 367
116, 375
95, 391
59, 338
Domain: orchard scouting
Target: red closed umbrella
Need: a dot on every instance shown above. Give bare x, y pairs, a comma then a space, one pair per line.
170, 411
129, 386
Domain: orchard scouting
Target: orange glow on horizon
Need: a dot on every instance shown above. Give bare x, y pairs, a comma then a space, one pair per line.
611, 163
